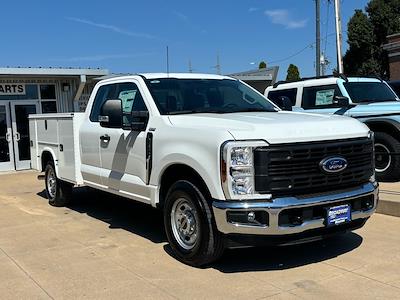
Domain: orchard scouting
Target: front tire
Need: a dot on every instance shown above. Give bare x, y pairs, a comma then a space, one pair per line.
387, 158
190, 226
58, 192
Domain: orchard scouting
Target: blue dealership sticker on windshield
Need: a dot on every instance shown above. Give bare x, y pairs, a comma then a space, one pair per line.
334, 164
338, 215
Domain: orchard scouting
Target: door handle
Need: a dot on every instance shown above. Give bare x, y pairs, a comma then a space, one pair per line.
17, 136
8, 137
105, 138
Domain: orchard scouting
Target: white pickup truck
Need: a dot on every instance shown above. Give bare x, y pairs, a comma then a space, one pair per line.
227, 166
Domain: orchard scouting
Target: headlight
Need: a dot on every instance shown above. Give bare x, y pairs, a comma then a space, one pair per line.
237, 169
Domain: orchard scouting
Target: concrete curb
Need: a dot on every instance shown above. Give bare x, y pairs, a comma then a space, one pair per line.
389, 202
389, 207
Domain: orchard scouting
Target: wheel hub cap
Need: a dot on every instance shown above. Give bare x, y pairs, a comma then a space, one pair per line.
51, 183
184, 221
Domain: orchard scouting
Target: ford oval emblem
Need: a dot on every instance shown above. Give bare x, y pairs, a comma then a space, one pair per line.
333, 164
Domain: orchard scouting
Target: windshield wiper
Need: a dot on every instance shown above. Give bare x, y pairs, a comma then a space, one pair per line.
196, 111
252, 110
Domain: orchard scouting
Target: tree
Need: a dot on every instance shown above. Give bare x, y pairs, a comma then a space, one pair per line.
262, 65
360, 58
367, 32
293, 73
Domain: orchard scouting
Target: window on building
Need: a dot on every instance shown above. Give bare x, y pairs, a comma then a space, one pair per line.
47, 92
320, 96
31, 92
290, 93
49, 107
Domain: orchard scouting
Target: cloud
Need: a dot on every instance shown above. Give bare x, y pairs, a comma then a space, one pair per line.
253, 9
112, 28
100, 57
283, 17
184, 18
181, 16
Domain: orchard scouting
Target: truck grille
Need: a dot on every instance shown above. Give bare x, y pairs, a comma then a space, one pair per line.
294, 169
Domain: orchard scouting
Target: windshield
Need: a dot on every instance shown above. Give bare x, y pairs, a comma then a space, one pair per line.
361, 92
185, 96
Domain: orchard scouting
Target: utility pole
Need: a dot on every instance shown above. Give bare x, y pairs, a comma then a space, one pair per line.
338, 22
190, 66
318, 37
167, 60
218, 65
324, 64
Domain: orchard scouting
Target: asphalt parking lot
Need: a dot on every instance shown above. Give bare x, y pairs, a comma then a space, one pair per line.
105, 247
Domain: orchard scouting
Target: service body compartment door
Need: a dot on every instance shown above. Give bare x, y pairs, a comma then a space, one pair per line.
66, 161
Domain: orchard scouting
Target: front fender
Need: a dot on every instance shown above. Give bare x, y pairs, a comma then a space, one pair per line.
208, 172
194, 148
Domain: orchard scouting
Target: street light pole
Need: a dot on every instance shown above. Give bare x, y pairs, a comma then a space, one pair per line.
338, 22
318, 37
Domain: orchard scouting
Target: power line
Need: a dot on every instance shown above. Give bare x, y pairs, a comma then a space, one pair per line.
298, 52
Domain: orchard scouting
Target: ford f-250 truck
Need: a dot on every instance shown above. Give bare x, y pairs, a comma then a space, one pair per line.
228, 167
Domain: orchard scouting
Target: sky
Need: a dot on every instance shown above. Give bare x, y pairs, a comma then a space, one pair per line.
132, 36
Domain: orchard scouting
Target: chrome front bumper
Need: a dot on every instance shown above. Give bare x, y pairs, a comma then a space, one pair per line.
275, 206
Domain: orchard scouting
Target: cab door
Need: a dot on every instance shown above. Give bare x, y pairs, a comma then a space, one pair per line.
123, 151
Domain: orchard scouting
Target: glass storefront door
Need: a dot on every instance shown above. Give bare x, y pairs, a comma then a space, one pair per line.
20, 128
6, 146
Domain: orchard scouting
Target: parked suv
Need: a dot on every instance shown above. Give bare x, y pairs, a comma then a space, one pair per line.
370, 100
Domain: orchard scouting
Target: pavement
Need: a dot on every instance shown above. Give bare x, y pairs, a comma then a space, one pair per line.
104, 247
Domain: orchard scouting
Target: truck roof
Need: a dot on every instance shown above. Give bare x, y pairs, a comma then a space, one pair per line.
165, 75
319, 81
184, 76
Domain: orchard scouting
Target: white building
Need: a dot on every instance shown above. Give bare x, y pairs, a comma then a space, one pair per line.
25, 91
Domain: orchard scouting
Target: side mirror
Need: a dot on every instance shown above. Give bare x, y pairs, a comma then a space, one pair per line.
341, 101
284, 103
111, 114
139, 120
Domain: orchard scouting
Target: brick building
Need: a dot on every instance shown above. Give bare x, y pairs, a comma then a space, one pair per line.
393, 49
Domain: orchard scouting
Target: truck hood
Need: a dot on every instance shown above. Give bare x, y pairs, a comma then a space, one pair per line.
275, 127
375, 109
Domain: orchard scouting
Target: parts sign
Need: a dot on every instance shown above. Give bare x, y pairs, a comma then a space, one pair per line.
12, 89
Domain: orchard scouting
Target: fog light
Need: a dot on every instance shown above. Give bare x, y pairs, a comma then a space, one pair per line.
251, 216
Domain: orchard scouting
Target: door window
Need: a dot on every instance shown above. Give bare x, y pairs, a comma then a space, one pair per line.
103, 94
290, 93
320, 96
132, 100
22, 127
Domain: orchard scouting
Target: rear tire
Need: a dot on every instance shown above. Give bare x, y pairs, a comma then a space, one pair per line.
58, 192
190, 227
387, 165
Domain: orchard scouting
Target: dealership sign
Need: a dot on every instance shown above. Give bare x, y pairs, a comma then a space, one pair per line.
12, 89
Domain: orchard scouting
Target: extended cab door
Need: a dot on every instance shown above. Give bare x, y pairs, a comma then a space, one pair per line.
123, 151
